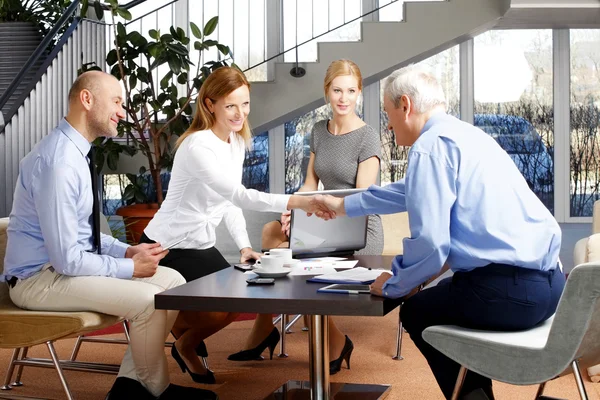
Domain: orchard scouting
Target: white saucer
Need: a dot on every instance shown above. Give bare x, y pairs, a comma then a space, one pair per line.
271, 274
291, 263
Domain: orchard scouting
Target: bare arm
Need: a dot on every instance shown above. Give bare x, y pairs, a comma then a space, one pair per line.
367, 172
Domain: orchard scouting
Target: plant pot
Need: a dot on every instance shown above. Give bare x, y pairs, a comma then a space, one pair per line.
136, 217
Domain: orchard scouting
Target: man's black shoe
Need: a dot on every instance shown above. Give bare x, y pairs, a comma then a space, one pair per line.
127, 389
176, 392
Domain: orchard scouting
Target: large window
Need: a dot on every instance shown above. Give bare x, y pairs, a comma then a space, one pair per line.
514, 101
256, 164
445, 67
585, 119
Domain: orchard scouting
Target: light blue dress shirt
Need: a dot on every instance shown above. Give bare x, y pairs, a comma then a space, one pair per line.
50, 221
468, 205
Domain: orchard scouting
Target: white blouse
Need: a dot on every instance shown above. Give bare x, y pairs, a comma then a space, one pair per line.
206, 187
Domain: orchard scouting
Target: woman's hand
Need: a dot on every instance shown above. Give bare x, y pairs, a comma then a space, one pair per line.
286, 218
248, 254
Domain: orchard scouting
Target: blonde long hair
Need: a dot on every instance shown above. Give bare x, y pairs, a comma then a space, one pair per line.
340, 68
219, 84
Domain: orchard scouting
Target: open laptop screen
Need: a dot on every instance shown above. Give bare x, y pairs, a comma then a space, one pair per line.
313, 236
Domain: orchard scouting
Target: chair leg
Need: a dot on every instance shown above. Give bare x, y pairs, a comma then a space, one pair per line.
76, 348
17, 381
283, 321
540, 390
579, 380
459, 382
398, 355
288, 327
59, 370
126, 331
11, 368
306, 322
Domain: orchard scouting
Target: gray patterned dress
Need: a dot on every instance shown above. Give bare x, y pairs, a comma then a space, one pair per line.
336, 165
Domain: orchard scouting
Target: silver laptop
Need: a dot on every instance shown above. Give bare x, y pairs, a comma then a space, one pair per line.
315, 237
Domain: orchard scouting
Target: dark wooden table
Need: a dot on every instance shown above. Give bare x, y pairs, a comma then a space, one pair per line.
227, 290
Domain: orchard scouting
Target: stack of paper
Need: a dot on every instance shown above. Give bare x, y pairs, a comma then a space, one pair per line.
354, 275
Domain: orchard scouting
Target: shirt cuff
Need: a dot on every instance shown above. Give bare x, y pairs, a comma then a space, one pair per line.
281, 202
118, 249
125, 268
242, 241
352, 205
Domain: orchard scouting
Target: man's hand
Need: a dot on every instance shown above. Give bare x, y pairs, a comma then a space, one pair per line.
377, 286
285, 223
248, 254
144, 247
145, 258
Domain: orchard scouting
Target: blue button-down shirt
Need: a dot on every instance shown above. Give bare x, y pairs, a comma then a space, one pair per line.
468, 205
50, 221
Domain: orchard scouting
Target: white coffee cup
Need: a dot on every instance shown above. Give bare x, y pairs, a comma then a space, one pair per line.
269, 262
286, 254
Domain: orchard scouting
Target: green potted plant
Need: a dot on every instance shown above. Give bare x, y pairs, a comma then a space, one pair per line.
157, 112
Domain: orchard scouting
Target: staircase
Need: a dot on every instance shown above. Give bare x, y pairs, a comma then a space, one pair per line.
430, 28
19, 41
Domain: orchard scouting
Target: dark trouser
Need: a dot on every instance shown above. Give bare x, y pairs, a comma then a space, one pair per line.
495, 297
192, 263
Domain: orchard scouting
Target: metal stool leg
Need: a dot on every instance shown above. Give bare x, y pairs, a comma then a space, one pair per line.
56, 362
11, 369
17, 381
579, 380
459, 382
540, 390
398, 355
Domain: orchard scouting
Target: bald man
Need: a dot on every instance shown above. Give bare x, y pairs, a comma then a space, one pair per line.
52, 263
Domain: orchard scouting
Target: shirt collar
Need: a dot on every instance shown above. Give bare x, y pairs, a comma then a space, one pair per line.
74, 136
437, 116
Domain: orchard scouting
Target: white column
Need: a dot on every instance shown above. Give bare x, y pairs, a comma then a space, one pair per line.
467, 85
562, 80
274, 28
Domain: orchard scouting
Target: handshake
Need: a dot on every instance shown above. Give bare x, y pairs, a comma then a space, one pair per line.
323, 206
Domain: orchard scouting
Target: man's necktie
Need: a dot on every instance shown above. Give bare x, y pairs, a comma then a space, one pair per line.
96, 208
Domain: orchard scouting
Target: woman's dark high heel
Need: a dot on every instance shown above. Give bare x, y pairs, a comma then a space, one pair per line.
208, 378
336, 365
255, 353
201, 350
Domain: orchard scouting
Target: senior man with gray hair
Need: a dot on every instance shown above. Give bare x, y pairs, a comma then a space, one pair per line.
469, 207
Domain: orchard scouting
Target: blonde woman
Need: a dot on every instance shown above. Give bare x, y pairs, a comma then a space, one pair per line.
344, 153
206, 188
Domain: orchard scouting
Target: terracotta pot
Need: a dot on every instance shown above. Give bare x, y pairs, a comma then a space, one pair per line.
136, 217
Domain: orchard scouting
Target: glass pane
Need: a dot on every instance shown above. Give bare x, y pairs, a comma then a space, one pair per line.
585, 119
514, 101
445, 66
297, 144
256, 164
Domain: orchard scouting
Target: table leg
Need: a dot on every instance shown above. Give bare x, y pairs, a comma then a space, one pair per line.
319, 357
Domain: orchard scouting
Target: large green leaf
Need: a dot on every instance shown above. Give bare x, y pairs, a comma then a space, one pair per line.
98, 9
195, 30
125, 14
211, 25
121, 31
154, 34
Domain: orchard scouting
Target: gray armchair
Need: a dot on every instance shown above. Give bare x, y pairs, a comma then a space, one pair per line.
568, 339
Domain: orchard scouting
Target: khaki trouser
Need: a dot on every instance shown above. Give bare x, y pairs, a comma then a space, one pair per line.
133, 299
